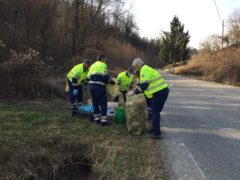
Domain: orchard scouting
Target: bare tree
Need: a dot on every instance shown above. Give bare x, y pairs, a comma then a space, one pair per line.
234, 28
211, 43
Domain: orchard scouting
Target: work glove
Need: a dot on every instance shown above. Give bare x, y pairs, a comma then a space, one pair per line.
119, 82
85, 83
112, 82
75, 92
130, 93
170, 86
74, 80
131, 86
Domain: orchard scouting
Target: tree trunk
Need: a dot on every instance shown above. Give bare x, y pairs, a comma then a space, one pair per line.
76, 28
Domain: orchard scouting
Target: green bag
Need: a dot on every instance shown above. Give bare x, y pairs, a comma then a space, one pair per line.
120, 116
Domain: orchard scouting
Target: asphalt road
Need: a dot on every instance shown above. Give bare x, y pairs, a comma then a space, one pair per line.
201, 130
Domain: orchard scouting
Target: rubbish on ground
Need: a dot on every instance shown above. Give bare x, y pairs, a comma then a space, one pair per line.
86, 108
111, 108
89, 101
111, 112
112, 104
136, 115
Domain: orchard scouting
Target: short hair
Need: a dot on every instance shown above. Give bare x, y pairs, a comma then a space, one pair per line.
137, 61
87, 61
130, 70
101, 57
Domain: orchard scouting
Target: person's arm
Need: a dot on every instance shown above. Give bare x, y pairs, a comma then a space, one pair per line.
106, 77
76, 77
131, 85
141, 88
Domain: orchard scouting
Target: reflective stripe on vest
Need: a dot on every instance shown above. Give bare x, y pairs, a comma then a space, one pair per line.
155, 80
155, 86
97, 82
98, 68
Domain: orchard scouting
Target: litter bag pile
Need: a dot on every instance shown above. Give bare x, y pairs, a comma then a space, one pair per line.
113, 90
136, 114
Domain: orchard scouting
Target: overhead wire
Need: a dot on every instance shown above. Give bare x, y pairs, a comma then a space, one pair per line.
217, 10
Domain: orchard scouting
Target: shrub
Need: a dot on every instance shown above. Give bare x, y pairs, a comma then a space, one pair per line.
23, 75
222, 66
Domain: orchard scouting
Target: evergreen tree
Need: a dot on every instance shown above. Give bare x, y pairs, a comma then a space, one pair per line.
173, 46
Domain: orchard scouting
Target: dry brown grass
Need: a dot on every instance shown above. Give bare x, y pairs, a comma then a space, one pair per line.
222, 66
121, 54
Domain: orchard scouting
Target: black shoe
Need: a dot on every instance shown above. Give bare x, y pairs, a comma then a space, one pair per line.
74, 113
153, 136
105, 124
74, 108
91, 118
150, 131
98, 122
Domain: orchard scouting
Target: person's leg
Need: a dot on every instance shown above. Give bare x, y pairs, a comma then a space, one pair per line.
102, 97
72, 98
116, 99
124, 96
157, 105
96, 110
149, 109
80, 95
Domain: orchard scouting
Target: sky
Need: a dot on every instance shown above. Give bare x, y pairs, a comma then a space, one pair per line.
199, 17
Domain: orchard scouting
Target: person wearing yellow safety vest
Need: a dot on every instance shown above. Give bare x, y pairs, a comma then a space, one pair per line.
125, 81
155, 90
76, 78
98, 79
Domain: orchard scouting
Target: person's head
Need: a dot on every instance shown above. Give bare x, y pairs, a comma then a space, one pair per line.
130, 71
86, 63
137, 74
101, 58
137, 64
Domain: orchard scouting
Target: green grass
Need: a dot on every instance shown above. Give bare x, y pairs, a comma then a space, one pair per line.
44, 141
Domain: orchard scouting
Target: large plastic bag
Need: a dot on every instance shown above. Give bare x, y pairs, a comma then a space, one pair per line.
66, 87
136, 115
113, 90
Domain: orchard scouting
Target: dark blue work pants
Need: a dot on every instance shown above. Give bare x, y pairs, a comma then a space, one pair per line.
78, 97
149, 109
157, 103
99, 99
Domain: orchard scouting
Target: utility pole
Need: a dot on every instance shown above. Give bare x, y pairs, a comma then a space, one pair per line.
222, 32
221, 21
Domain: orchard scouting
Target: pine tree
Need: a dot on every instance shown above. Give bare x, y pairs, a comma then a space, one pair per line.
173, 46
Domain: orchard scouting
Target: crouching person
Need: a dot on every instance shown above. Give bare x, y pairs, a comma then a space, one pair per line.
125, 81
75, 79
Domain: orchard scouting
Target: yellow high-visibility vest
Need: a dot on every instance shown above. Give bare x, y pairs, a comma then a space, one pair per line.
124, 81
154, 78
77, 72
98, 68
